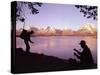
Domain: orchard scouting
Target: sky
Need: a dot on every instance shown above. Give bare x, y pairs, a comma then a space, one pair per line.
58, 16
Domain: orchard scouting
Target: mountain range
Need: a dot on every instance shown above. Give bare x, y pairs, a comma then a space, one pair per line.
87, 29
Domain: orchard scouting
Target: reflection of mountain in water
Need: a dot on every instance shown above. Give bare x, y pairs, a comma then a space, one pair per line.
86, 29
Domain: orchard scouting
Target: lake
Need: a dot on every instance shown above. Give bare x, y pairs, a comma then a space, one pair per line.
59, 46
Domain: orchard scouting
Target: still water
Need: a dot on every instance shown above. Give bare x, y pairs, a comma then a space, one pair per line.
59, 46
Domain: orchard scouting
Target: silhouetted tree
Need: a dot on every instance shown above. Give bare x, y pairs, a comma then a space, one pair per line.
88, 11
20, 15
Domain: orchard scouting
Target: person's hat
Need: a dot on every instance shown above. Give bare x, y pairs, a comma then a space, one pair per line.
82, 42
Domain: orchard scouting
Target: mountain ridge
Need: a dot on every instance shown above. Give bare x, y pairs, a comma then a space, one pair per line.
85, 29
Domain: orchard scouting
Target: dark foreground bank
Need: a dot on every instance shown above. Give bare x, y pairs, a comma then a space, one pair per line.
32, 62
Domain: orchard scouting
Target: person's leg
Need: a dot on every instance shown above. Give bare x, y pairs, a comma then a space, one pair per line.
27, 46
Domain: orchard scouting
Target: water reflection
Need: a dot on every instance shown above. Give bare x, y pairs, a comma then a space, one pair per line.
60, 46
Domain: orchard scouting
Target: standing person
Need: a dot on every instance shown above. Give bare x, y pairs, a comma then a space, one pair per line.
25, 35
85, 56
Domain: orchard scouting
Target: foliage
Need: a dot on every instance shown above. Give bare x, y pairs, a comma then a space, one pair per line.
20, 15
88, 11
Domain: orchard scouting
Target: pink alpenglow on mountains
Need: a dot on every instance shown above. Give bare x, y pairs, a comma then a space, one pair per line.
87, 29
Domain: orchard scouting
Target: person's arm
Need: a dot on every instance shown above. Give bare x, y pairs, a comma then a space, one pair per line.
31, 41
77, 55
77, 51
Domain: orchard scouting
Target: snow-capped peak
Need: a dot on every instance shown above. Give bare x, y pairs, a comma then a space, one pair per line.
88, 27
